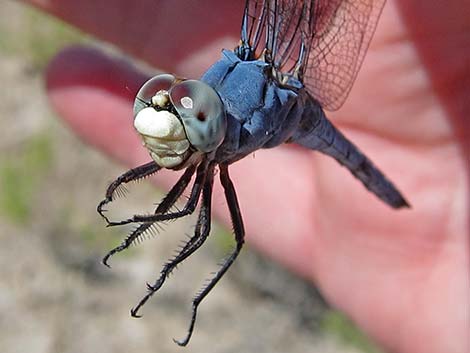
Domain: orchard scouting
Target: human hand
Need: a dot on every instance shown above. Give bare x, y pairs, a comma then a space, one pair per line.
401, 275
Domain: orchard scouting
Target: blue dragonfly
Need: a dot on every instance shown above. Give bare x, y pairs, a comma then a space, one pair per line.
295, 59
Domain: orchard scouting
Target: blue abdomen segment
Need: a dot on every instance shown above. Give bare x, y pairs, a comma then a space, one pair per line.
318, 133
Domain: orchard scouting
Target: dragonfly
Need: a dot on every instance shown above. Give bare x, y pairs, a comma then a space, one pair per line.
295, 59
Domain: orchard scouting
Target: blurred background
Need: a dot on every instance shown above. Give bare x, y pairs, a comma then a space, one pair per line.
55, 296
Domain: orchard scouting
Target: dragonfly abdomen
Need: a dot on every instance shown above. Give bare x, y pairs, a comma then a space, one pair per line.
318, 133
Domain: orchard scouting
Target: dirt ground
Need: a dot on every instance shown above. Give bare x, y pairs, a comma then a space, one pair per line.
55, 296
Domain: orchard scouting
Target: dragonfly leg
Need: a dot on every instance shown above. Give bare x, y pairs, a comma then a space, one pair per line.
168, 201
201, 233
239, 231
299, 65
189, 207
131, 175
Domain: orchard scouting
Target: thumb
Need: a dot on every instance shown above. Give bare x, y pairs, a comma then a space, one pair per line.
93, 94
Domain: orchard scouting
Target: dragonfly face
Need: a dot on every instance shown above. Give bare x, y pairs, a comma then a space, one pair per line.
178, 120
295, 59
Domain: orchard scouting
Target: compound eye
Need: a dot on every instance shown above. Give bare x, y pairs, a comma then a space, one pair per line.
150, 88
201, 112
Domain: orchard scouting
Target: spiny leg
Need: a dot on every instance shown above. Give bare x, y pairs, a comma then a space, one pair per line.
167, 204
239, 231
168, 201
198, 238
188, 208
131, 175
201, 233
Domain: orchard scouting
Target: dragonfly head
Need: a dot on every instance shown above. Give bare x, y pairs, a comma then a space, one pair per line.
178, 120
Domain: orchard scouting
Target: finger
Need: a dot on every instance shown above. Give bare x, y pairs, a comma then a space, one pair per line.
93, 94
159, 32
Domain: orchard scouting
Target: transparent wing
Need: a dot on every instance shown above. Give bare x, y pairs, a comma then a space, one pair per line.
324, 41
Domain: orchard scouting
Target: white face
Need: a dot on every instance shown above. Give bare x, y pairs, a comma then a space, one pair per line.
163, 135
177, 118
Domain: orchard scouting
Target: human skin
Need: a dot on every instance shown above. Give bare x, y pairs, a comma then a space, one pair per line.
401, 275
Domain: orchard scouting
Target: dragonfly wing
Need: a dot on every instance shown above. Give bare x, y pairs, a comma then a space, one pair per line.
325, 40
276, 29
338, 48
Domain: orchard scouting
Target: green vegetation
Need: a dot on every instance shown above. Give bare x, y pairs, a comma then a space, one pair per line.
223, 238
20, 177
337, 324
100, 237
